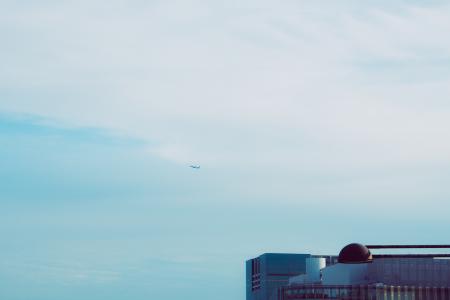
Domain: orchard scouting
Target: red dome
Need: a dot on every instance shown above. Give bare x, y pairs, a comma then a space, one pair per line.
355, 254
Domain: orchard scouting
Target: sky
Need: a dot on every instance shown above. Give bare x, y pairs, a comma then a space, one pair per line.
316, 123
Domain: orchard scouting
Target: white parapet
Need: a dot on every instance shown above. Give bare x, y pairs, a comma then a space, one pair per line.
313, 270
345, 274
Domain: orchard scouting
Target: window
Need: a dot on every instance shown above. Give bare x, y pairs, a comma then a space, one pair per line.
256, 274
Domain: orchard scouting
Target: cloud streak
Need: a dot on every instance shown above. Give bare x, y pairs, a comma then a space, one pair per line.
192, 76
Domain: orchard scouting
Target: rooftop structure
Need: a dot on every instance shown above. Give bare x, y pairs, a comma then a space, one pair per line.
356, 273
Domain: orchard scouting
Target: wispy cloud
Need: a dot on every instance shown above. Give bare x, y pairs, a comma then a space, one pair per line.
311, 88
204, 78
59, 273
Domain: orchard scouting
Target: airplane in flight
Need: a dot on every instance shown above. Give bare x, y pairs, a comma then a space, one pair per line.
195, 166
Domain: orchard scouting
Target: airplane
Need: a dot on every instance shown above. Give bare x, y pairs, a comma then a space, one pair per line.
194, 166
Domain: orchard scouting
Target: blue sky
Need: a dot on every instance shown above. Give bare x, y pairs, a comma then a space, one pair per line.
316, 123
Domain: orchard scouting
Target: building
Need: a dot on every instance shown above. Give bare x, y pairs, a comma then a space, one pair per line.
268, 272
355, 273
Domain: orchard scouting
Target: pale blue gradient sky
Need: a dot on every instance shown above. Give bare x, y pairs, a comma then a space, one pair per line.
316, 123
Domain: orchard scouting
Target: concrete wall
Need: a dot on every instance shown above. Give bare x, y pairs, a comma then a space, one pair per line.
411, 271
345, 274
